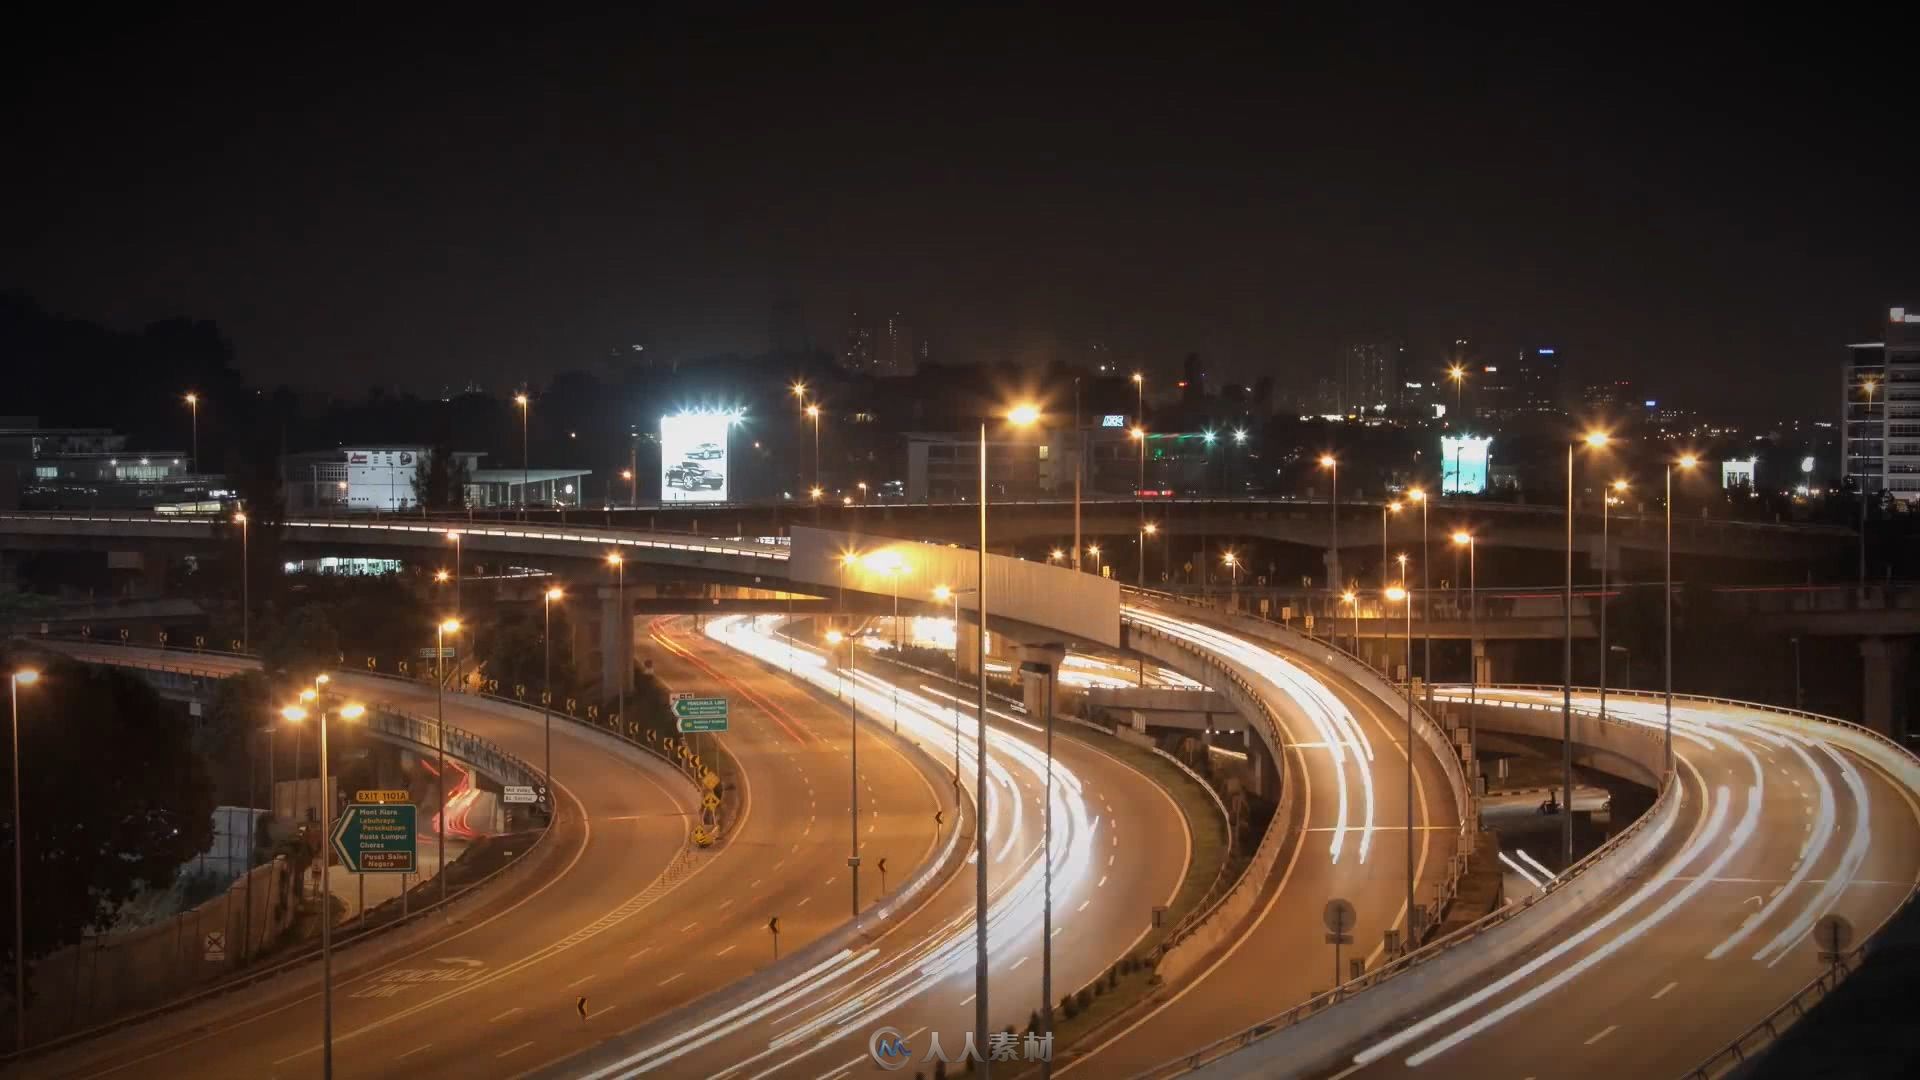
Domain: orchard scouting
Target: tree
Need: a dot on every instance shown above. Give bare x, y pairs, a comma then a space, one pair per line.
440, 480
115, 800
304, 643
509, 645
242, 706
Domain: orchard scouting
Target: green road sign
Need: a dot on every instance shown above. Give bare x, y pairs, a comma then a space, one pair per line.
377, 839
692, 714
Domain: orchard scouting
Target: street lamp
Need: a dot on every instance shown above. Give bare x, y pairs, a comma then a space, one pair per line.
862, 485
1686, 461
943, 593
447, 626
526, 472
1147, 528
633, 486
1459, 376
853, 737
889, 563
1021, 415
1233, 567
813, 413
246, 621
1616, 492
1056, 555
619, 565
1426, 599
1385, 509
1867, 387
1398, 593
1094, 550
1463, 538
295, 714
193, 404
546, 679
1139, 435
20, 678
815, 492
1594, 440
1332, 465
1352, 599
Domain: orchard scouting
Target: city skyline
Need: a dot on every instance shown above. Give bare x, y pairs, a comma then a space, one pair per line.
537, 202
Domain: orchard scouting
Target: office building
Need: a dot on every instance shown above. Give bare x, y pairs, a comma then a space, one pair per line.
1541, 380
945, 466
895, 353
1370, 376
857, 349
1880, 410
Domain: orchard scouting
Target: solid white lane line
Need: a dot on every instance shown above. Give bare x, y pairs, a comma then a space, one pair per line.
1604, 1032
1664, 991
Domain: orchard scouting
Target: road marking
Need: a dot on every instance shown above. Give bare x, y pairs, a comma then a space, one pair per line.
803, 901
1604, 1032
754, 884
726, 950
506, 1014
968, 1000
670, 978
634, 956
1103, 882
1664, 991
515, 1050
577, 982
415, 1050
724, 903
831, 880
1017, 963
688, 927
1083, 905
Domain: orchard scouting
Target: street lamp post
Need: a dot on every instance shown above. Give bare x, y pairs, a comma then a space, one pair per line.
1233, 568
1139, 434
1352, 599
1616, 490
1046, 673
1686, 461
1465, 539
943, 592
1399, 593
246, 615
22, 677
526, 469
1867, 387
633, 487
1426, 599
1596, 440
1094, 550
448, 626
620, 600
459, 573
193, 404
1385, 509
834, 638
813, 413
546, 685
1332, 465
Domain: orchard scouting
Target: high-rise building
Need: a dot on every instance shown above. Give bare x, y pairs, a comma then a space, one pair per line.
1880, 410
857, 353
1370, 374
1541, 378
894, 351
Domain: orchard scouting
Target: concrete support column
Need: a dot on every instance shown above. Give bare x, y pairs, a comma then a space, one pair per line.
615, 647
1263, 776
967, 638
1883, 699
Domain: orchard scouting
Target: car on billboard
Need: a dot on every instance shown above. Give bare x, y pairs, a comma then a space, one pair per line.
690, 477
706, 451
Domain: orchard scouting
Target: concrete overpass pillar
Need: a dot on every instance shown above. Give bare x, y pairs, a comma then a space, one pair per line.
1884, 663
967, 640
1263, 776
615, 646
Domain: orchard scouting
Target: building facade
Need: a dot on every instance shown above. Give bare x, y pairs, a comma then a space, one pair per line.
1880, 410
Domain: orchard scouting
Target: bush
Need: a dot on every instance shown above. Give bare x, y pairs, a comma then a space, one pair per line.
1070, 1006
1085, 1000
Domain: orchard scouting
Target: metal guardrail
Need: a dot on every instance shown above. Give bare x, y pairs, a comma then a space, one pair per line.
1762, 1036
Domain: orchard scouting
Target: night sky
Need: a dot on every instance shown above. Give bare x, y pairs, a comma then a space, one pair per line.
1712, 210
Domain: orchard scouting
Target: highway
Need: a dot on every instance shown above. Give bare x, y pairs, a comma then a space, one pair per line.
1783, 820
1121, 847
496, 992
1347, 759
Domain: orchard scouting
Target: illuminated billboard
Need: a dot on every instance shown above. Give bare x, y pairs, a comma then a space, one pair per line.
1738, 473
1463, 464
693, 456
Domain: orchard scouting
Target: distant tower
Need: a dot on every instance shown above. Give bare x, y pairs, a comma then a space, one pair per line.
857, 351
895, 353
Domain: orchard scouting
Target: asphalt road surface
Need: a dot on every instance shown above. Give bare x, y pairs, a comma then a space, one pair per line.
1347, 757
496, 991
1783, 820
1121, 847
